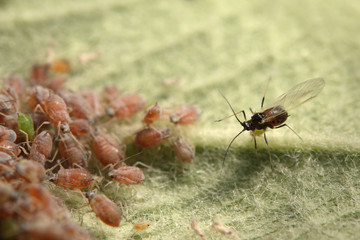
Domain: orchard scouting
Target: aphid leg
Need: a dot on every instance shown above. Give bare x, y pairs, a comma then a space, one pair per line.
255, 145
252, 112
39, 108
75, 139
290, 129
224, 230
147, 166
268, 148
194, 226
263, 99
81, 217
23, 150
44, 123
80, 192
53, 158
123, 211
26, 137
107, 184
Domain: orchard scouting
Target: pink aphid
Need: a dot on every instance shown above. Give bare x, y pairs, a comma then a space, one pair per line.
10, 148
73, 178
152, 114
126, 106
105, 209
94, 101
41, 147
107, 151
127, 175
7, 134
31, 171
80, 127
79, 107
150, 137
73, 151
183, 150
185, 115
56, 109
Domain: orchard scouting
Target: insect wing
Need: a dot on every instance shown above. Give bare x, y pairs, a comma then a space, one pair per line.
298, 95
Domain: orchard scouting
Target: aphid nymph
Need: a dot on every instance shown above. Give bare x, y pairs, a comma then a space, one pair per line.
275, 114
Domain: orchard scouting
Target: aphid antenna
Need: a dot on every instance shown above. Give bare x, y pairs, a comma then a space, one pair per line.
26, 138
242, 124
134, 155
43, 123
23, 150
147, 166
124, 215
263, 98
56, 165
234, 113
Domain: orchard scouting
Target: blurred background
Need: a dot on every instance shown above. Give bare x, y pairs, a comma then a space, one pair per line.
185, 51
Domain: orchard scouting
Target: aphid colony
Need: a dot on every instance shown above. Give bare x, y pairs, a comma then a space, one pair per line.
47, 135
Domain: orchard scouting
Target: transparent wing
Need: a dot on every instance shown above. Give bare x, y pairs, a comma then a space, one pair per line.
298, 95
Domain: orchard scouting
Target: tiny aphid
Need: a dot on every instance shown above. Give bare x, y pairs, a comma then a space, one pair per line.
183, 150
107, 150
152, 114
275, 114
94, 101
73, 178
26, 125
184, 115
56, 110
56, 83
10, 148
41, 147
31, 171
80, 127
143, 225
60, 66
127, 175
73, 151
126, 106
111, 92
150, 137
17, 82
36, 96
79, 107
8, 103
7, 134
105, 209
39, 73
6, 159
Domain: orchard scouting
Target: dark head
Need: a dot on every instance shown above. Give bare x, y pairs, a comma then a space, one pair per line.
90, 195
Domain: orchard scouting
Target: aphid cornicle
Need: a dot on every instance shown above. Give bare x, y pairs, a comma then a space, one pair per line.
275, 114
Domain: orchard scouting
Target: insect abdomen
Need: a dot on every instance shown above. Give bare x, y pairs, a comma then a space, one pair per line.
280, 116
